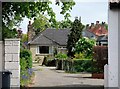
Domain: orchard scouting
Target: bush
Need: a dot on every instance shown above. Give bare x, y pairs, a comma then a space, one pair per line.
61, 56
85, 47
25, 67
23, 64
50, 62
78, 65
26, 54
83, 65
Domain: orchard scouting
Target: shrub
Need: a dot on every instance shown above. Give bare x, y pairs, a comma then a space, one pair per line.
26, 54
78, 65
85, 47
83, 65
25, 67
50, 62
61, 56
23, 64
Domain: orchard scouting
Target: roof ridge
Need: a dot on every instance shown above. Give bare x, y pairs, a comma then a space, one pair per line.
50, 39
38, 34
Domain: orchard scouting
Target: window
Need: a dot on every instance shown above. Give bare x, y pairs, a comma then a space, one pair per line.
43, 49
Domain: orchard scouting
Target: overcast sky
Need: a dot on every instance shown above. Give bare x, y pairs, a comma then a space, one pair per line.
89, 10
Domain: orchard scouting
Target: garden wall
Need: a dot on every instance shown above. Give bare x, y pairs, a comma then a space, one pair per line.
1, 55
12, 52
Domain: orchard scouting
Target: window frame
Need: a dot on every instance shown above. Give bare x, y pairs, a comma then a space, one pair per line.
38, 50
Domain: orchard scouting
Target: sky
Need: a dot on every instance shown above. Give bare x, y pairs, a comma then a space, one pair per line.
89, 10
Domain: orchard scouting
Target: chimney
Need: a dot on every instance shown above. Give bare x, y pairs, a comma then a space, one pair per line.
103, 23
31, 32
87, 26
92, 25
97, 22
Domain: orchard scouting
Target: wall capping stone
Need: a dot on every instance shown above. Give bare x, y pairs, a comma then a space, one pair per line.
11, 39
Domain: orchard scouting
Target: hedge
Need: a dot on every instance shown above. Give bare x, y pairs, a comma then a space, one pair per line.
25, 66
27, 55
76, 65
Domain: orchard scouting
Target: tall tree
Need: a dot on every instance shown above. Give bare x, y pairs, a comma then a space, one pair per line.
13, 12
65, 24
41, 23
74, 36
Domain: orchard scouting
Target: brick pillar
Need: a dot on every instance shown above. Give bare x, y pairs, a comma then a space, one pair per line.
12, 60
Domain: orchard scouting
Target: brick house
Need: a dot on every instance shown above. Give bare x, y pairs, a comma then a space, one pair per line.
96, 31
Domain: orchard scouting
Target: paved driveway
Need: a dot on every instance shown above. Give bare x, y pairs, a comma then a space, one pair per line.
49, 77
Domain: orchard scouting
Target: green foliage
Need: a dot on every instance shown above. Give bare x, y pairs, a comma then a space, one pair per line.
61, 56
41, 23
85, 46
78, 66
26, 54
25, 67
13, 12
74, 36
65, 24
23, 64
9, 33
49, 62
24, 38
83, 65
79, 56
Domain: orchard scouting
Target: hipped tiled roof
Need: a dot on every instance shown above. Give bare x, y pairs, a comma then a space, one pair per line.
51, 37
99, 30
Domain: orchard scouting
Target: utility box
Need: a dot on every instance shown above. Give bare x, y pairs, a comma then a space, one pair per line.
6, 79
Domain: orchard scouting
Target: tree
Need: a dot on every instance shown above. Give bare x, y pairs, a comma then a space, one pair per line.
65, 24
84, 46
41, 23
74, 36
13, 12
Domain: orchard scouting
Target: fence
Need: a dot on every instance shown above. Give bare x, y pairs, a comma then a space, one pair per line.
100, 54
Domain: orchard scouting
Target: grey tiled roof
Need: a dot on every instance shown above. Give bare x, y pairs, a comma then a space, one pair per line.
52, 36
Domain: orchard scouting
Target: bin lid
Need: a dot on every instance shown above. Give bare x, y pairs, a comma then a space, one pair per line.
6, 72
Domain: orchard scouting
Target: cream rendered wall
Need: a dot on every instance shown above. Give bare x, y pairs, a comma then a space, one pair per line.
33, 50
40, 57
114, 48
